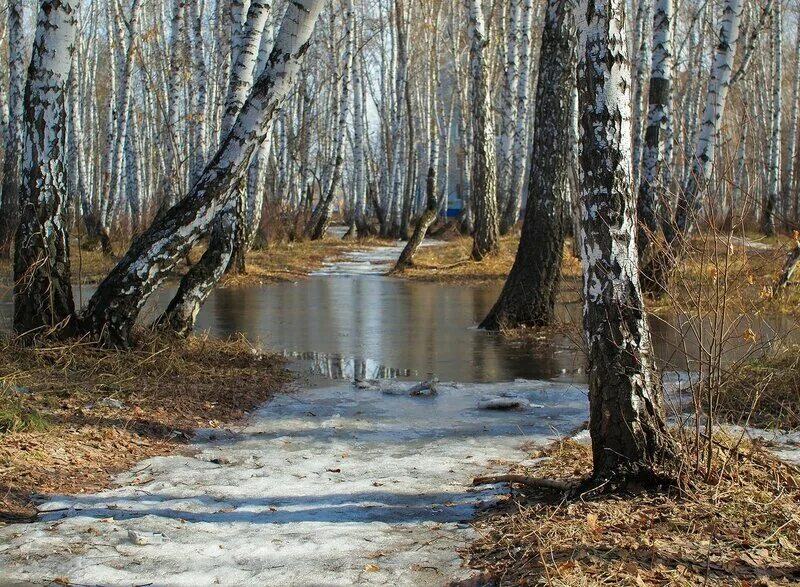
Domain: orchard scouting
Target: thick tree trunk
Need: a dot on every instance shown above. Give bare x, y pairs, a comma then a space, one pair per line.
629, 436
199, 282
529, 295
42, 290
113, 309
12, 163
486, 240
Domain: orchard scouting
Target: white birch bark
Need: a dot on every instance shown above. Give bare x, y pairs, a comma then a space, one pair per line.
690, 199
629, 436
43, 300
774, 188
521, 134
113, 309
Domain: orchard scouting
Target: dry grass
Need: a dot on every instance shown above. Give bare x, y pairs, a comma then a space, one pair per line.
88, 267
741, 528
276, 263
54, 439
765, 392
450, 262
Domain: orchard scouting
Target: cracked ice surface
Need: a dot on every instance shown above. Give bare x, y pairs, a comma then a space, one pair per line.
318, 486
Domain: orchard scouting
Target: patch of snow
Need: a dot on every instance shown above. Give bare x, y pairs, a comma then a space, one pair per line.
329, 486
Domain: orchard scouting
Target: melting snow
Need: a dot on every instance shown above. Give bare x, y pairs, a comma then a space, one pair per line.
328, 486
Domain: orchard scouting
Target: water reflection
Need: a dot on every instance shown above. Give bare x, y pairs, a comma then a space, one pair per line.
420, 328
375, 327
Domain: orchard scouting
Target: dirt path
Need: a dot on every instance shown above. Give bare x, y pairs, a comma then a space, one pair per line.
327, 486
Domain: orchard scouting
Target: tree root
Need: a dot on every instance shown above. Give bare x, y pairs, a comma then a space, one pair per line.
527, 481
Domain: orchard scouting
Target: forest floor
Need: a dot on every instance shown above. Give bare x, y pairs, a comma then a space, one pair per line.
72, 415
733, 524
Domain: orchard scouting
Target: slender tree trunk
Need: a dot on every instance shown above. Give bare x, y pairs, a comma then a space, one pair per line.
113, 309
321, 218
42, 289
486, 240
629, 436
529, 295
509, 103
173, 104
433, 203
774, 191
12, 163
650, 203
690, 198
520, 149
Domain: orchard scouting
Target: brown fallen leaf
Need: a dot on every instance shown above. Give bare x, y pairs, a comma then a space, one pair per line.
372, 568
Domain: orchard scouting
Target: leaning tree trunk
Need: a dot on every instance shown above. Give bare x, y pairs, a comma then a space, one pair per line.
650, 203
433, 203
529, 295
486, 240
320, 219
629, 436
12, 163
42, 290
229, 231
690, 198
113, 309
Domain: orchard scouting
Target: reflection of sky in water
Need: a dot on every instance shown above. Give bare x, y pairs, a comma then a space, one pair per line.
370, 326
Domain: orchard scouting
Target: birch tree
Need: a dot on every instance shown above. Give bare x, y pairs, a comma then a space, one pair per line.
650, 202
774, 188
626, 421
114, 307
690, 199
42, 288
12, 163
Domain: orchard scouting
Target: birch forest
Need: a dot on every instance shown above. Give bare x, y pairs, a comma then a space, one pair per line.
169, 165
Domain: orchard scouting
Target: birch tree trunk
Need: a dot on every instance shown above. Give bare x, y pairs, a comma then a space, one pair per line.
113, 309
644, 20
629, 436
529, 295
318, 225
432, 204
690, 198
486, 240
120, 139
12, 163
650, 203
520, 149
509, 113
789, 176
173, 104
43, 300
774, 188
